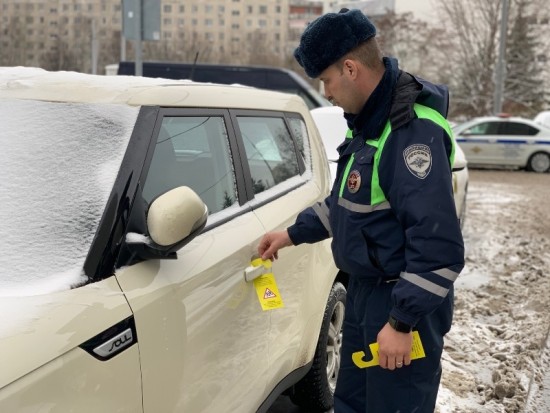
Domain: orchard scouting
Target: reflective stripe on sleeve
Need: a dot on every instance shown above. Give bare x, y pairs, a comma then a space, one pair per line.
364, 209
425, 284
447, 273
322, 212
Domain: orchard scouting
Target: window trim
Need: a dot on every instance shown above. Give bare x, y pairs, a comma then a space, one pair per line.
274, 192
233, 144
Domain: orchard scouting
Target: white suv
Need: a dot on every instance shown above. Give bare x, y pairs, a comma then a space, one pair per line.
131, 210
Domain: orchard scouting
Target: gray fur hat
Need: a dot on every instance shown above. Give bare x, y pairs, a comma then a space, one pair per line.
329, 37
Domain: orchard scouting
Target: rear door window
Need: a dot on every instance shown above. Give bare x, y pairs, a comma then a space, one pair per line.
270, 151
517, 129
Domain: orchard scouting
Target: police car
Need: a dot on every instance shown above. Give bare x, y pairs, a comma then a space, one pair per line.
505, 141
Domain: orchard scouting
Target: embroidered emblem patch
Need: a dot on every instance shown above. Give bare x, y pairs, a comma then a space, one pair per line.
354, 181
418, 159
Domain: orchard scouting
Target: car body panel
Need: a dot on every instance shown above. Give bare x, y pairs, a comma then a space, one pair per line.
42, 363
304, 274
495, 141
139, 91
543, 118
190, 311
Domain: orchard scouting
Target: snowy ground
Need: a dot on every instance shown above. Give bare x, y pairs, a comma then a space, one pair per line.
496, 353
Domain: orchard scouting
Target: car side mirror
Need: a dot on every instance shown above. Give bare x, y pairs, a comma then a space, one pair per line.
173, 220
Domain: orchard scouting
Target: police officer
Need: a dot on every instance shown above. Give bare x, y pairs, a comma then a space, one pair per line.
390, 214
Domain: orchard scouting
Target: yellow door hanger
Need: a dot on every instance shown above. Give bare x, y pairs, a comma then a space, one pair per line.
416, 353
266, 287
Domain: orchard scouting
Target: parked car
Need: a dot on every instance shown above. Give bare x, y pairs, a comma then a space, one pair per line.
131, 211
543, 118
504, 141
263, 77
333, 128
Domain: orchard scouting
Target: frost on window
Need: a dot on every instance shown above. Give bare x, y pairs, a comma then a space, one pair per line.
58, 164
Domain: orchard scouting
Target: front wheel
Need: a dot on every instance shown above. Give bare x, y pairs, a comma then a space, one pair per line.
539, 162
315, 392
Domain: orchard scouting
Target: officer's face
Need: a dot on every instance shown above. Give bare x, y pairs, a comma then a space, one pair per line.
339, 88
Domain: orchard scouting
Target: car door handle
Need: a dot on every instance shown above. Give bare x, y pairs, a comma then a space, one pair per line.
251, 273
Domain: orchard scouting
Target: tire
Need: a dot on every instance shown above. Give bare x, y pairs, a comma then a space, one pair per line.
539, 162
315, 392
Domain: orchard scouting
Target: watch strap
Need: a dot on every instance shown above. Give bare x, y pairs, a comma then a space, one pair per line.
399, 326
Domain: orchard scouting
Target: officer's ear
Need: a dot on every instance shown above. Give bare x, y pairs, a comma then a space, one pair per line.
350, 68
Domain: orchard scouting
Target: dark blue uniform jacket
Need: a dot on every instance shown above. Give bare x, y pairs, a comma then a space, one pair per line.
418, 240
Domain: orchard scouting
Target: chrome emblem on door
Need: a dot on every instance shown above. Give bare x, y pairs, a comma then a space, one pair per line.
115, 344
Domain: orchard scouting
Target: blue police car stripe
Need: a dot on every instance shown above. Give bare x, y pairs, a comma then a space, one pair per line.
364, 209
511, 142
447, 273
322, 212
425, 284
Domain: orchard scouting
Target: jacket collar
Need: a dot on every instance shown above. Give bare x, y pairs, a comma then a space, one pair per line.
370, 122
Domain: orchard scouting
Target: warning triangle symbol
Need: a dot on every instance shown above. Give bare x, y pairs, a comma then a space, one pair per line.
269, 294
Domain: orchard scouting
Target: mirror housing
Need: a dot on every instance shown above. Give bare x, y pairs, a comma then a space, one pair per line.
174, 219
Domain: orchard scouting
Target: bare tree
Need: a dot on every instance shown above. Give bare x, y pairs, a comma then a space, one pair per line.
474, 27
415, 43
109, 48
260, 50
61, 55
523, 94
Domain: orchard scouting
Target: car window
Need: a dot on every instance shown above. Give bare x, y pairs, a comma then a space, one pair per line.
193, 151
270, 151
484, 128
299, 130
517, 128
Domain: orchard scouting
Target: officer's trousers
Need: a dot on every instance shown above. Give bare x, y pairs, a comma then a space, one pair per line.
409, 389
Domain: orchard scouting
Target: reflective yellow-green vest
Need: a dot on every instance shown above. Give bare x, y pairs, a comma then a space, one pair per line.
422, 112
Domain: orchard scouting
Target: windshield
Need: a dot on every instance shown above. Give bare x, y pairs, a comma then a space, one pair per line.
58, 163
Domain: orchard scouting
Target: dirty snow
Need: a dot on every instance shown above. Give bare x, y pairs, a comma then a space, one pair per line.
495, 356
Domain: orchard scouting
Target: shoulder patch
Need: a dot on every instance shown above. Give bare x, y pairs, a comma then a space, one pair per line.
418, 159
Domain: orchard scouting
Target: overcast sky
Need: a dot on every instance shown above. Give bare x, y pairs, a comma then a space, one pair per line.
422, 9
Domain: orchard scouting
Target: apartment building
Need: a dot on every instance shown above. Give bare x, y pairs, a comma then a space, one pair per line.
227, 29
63, 34
59, 33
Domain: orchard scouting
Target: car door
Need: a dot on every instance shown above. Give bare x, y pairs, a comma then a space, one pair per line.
280, 159
516, 142
479, 143
203, 334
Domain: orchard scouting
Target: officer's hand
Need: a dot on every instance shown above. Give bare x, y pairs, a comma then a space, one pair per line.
271, 243
394, 348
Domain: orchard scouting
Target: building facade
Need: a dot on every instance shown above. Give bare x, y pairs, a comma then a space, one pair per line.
61, 34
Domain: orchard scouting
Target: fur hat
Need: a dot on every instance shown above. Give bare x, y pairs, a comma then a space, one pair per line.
329, 37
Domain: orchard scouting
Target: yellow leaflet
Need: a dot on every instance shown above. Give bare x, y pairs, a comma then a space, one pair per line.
416, 353
266, 287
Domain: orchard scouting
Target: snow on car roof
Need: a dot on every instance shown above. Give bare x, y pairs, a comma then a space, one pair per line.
39, 84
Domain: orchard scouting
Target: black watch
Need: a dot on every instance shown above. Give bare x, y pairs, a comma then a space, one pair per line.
399, 326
